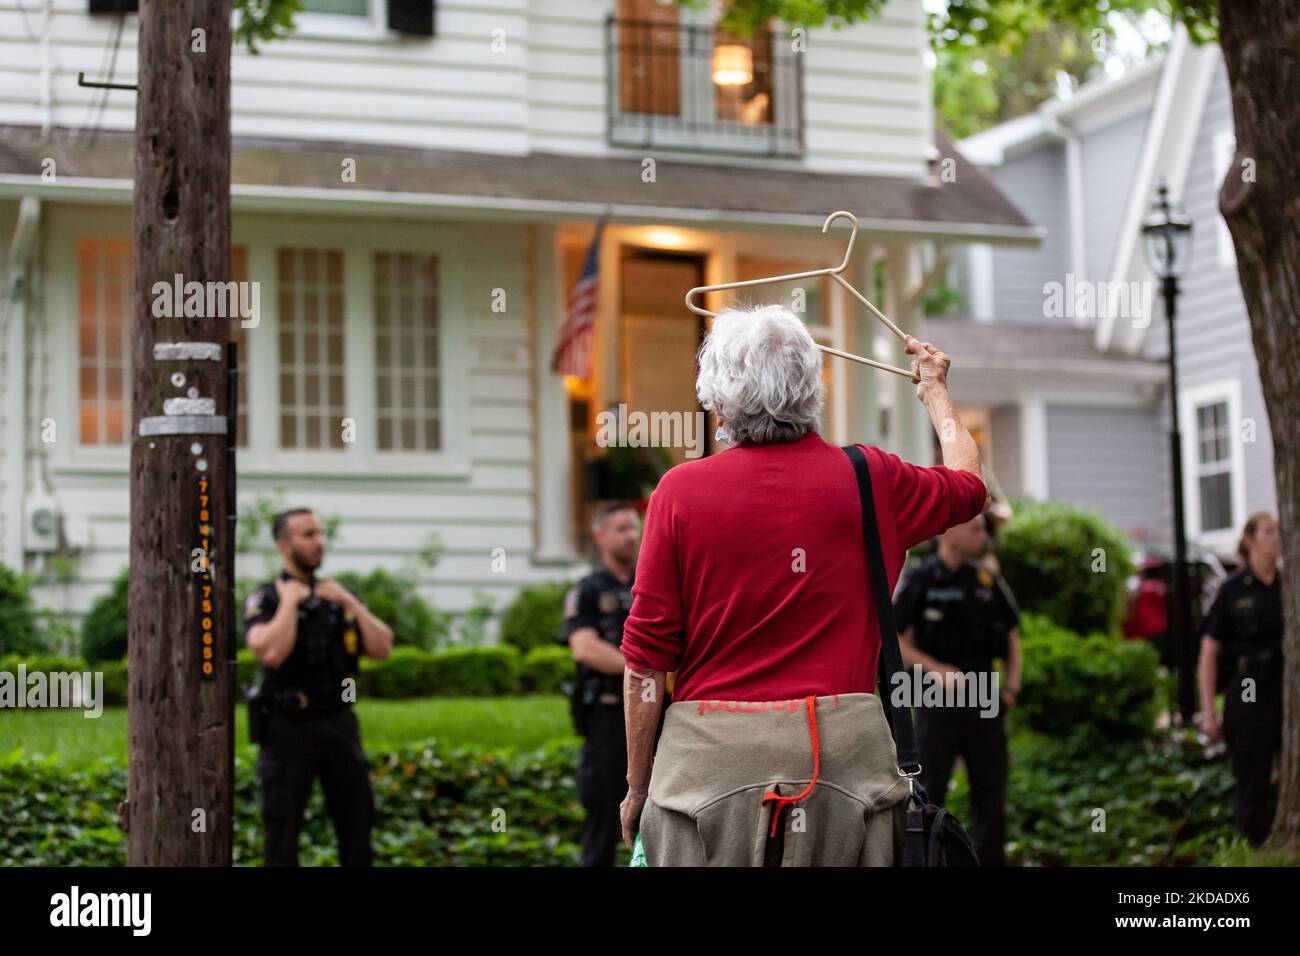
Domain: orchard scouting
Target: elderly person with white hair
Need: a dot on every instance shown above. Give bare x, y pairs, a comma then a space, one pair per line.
751, 589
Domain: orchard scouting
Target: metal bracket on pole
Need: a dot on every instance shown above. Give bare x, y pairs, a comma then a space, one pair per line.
93, 84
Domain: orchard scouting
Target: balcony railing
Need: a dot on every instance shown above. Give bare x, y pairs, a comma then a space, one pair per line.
679, 86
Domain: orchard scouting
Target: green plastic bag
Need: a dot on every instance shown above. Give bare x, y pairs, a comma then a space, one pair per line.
638, 852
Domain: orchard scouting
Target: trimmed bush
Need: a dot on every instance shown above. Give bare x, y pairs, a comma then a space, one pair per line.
544, 669
103, 632
1095, 688
393, 599
18, 628
406, 673
115, 686
535, 616
475, 671
1048, 554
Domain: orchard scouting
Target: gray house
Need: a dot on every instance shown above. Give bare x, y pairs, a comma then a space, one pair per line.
1063, 361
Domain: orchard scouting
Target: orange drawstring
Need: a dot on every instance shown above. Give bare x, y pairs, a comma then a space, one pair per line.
811, 703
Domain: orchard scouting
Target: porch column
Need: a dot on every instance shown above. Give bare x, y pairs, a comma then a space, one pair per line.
912, 437
861, 384
1033, 447
16, 295
552, 467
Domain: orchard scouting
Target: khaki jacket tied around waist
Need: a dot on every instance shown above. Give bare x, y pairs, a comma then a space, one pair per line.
718, 760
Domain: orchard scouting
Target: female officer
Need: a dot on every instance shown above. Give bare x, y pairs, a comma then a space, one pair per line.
1241, 653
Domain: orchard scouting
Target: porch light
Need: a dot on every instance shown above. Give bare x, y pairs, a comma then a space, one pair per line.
733, 65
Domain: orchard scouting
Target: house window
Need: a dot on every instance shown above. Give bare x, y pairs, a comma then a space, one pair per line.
352, 8
311, 348
649, 65
239, 335
105, 278
1214, 465
407, 350
104, 348
742, 78
690, 85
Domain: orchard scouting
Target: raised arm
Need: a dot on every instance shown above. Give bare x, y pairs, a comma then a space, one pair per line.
930, 366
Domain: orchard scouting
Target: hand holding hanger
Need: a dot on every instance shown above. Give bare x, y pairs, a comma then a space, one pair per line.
835, 273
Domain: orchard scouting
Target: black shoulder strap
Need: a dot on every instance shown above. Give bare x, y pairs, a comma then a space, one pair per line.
891, 658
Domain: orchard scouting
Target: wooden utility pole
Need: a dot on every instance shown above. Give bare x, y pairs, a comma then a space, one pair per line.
181, 703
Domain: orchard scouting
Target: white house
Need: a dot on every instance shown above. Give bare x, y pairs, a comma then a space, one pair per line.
421, 299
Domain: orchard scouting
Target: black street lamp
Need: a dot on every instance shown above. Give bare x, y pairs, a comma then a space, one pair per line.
1167, 239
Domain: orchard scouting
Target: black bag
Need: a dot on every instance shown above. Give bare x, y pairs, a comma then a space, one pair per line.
934, 837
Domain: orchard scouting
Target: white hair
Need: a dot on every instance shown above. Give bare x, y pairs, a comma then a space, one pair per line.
762, 373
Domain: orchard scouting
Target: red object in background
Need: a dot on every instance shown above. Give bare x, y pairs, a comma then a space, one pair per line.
1144, 617
1146, 610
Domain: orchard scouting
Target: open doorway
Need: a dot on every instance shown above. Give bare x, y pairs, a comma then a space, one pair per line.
659, 338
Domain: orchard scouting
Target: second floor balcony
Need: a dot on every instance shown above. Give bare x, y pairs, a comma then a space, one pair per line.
691, 87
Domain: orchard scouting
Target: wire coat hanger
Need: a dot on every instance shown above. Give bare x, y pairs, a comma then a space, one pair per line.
834, 273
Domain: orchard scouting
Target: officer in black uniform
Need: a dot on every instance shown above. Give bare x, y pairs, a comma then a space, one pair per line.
594, 613
1241, 654
308, 635
955, 617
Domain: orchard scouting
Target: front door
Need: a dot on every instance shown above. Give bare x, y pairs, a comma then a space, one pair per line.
659, 339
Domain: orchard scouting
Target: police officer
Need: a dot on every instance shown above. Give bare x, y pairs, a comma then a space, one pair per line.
1241, 654
955, 617
594, 612
308, 635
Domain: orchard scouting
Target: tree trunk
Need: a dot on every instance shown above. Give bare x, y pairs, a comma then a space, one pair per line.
1261, 47
180, 714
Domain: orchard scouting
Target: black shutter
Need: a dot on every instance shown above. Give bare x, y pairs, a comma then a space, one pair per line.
114, 6
411, 16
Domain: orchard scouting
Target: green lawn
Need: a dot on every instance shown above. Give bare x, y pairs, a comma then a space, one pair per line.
515, 721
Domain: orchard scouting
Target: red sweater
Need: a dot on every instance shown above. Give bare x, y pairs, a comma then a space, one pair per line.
751, 582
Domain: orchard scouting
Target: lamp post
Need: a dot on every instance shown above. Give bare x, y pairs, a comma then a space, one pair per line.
1167, 234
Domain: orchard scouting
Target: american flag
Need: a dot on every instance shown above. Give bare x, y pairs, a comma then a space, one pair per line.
573, 353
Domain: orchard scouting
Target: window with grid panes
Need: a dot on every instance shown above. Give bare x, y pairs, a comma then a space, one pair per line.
104, 280
104, 348
407, 348
311, 371
1214, 465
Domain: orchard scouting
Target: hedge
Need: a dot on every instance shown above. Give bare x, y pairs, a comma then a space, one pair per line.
435, 805
535, 616
103, 631
1092, 689
408, 672
1053, 556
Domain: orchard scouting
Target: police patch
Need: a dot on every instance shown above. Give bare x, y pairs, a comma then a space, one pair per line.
571, 602
252, 604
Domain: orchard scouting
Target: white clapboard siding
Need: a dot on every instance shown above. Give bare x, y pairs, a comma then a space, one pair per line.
508, 76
